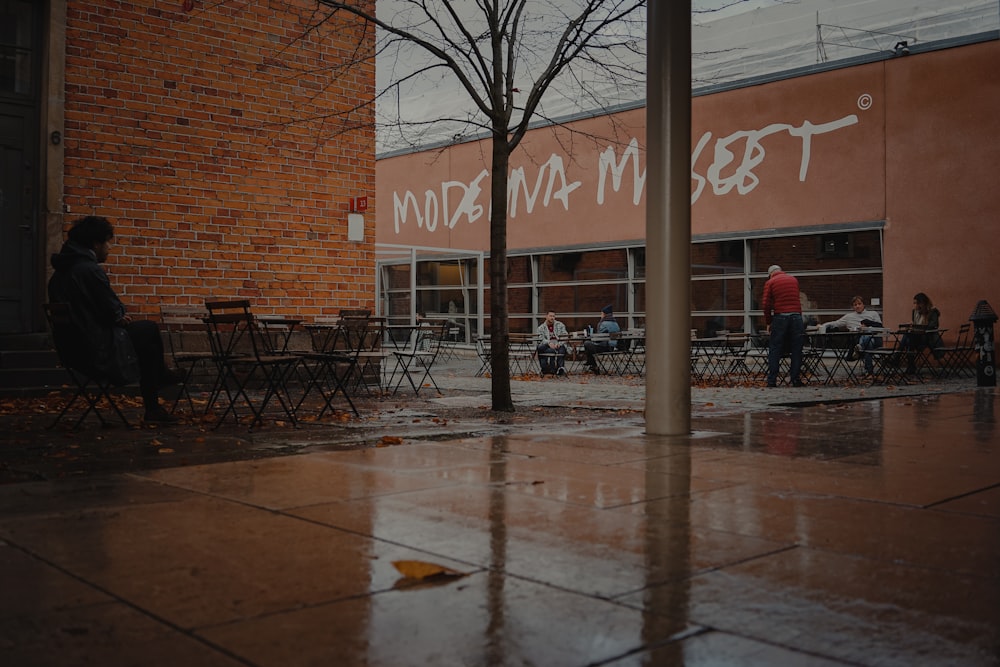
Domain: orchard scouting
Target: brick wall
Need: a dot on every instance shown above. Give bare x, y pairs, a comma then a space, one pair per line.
223, 143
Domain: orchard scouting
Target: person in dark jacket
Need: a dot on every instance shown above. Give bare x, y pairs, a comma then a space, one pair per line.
607, 325
100, 317
783, 316
925, 318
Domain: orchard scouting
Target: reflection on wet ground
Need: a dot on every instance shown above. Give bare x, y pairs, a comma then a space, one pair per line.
863, 533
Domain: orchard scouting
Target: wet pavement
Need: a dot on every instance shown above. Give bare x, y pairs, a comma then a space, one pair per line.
813, 526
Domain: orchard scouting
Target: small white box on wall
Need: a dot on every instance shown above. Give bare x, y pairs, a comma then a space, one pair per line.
355, 227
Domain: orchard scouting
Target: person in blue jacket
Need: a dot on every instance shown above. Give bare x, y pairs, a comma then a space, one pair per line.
607, 325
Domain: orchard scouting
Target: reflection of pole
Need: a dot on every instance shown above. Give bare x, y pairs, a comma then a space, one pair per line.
497, 573
667, 594
668, 218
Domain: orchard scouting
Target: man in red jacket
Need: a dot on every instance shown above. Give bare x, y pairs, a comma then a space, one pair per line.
783, 316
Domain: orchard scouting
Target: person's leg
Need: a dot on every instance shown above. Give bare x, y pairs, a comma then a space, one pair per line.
774, 350
589, 348
869, 343
145, 336
560, 360
797, 335
544, 359
148, 344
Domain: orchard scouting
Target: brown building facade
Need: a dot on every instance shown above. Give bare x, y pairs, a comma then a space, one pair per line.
874, 179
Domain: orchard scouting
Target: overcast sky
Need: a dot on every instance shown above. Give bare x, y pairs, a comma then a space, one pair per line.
731, 41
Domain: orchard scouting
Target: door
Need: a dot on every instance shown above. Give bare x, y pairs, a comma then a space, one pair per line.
19, 169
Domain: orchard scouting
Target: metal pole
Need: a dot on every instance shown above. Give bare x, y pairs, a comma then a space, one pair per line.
668, 218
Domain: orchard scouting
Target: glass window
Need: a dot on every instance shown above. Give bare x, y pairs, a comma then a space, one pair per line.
518, 270
397, 276
717, 295
818, 252
439, 273
603, 265
15, 48
559, 267
708, 326
836, 291
397, 305
639, 255
717, 257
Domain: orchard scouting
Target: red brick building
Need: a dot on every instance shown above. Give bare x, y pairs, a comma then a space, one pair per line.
223, 139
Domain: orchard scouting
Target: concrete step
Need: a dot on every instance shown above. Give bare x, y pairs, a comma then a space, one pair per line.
32, 381
29, 366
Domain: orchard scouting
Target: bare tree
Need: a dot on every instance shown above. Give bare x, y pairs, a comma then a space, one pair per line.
506, 56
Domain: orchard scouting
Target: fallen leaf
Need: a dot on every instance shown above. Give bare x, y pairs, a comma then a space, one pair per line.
420, 570
391, 440
165, 450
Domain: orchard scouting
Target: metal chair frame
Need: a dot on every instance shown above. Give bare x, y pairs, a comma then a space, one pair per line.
420, 358
323, 364
181, 326
61, 324
241, 355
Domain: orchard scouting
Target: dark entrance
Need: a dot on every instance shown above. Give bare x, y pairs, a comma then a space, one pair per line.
19, 163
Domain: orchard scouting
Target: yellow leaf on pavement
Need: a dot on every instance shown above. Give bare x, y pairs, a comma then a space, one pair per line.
418, 569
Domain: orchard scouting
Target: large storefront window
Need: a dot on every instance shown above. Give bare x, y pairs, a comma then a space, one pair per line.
727, 279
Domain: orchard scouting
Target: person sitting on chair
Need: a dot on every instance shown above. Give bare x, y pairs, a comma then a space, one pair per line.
857, 320
608, 325
551, 348
925, 317
81, 282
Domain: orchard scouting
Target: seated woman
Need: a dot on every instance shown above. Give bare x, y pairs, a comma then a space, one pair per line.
856, 320
925, 317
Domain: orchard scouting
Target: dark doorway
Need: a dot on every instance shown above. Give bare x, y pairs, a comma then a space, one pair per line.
19, 163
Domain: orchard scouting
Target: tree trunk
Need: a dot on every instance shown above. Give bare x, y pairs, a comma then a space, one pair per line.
499, 312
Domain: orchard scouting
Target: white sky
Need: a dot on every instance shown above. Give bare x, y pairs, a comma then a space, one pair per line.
741, 40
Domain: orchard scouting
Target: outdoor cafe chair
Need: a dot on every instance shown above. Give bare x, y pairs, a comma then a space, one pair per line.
91, 385
244, 364
958, 359
484, 353
188, 347
618, 360
418, 358
329, 365
521, 353
373, 356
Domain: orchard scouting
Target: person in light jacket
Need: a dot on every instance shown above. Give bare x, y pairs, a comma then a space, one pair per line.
859, 319
551, 348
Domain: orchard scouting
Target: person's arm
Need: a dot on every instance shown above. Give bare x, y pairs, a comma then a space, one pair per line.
767, 303
933, 318
108, 308
842, 322
561, 331
872, 316
543, 334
